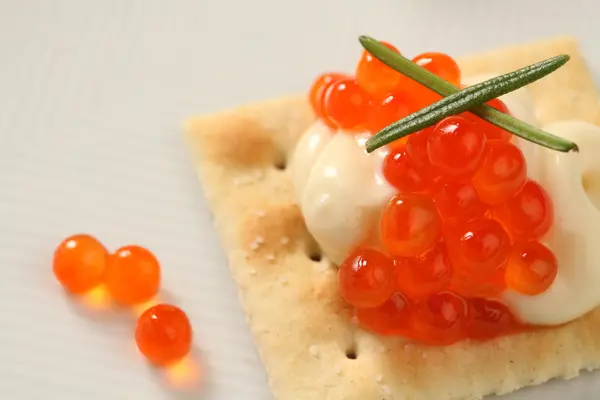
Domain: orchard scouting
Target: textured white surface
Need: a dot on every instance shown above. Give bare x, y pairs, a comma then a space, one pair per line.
92, 94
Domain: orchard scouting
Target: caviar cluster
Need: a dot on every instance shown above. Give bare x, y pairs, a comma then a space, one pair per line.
466, 221
131, 275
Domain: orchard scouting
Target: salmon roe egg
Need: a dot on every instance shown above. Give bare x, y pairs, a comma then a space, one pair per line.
376, 77
424, 275
480, 246
458, 202
79, 263
132, 275
502, 173
346, 104
441, 65
416, 149
488, 319
318, 88
528, 215
440, 319
391, 318
531, 268
393, 107
493, 132
163, 334
410, 225
366, 278
455, 146
401, 173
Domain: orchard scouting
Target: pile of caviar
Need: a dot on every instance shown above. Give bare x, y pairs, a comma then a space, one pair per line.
465, 224
131, 276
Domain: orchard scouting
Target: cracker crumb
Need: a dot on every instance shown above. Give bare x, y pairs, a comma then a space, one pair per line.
408, 346
379, 378
386, 390
314, 351
382, 349
260, 213
337, 369
283, 281
270, 257
424, 355
254, 246
259, 239
252, 271
354, 320
284, 240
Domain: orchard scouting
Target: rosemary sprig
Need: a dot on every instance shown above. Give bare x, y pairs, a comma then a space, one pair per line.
471, 98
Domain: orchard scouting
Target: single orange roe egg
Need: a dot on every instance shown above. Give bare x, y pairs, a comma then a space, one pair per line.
393, 107
79, 263
346, 104
366, 278
458, 202
376, 77
390, 318
493, 132
163, 334
410, 225
440, 319
531, 268
441, 65
502, 173
416, 149
424, 275
400, 173
471, 284
529, 214
488, 319
132, 275
317, 90
455, 146
481, 247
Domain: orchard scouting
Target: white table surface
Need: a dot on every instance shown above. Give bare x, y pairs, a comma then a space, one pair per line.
92, 95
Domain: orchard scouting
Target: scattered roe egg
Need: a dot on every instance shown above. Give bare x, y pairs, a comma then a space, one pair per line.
132, 275
531, 268
502, 173
458, 202
346, 104
376, 77
424, 275
393, 107
441, 65
455, 146
79, 263
440, 319
402, 174
366, 278
390, 318
488, 319
163, 334
410, 225
317, 92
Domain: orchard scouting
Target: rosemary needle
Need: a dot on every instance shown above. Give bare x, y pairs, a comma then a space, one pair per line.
471, 98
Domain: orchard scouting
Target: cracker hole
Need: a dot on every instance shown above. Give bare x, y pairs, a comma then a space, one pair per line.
280, 161
313, 251
351, 353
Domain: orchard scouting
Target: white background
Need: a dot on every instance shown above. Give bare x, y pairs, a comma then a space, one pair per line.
92, 95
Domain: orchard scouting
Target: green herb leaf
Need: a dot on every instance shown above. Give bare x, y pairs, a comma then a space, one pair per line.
471, 98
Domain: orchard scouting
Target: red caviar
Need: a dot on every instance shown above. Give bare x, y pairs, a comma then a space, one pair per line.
132, 275
346, 104
464, 224
410, 225
455, 147
317, 92
376, 77
366, 278
531, 268
79, 263
163, 334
